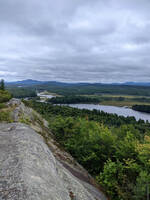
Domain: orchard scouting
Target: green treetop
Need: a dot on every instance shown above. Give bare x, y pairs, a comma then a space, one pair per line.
2, 85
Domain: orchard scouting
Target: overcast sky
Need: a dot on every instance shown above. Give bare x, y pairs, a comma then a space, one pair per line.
75, 40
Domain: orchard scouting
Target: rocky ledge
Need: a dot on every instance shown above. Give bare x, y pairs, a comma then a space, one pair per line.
34, 169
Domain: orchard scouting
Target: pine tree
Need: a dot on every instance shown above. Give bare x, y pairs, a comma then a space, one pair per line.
2, 85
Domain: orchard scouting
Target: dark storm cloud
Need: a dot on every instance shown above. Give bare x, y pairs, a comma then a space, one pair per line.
63, 40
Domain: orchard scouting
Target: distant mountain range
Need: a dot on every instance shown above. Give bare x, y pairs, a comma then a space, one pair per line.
25, 82
30, 82
137, 83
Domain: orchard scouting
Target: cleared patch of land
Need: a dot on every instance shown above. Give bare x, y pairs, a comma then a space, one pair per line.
121, 100
125, 96
49, 93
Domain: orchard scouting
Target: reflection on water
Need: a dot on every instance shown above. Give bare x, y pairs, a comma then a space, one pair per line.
115, 110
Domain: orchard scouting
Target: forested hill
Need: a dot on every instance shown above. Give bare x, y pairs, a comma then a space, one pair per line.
36, 82
83, 88
91, 89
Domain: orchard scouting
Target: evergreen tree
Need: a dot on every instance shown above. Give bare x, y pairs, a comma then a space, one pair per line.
2, 85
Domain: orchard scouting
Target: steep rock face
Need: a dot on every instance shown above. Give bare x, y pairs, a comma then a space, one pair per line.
29, 171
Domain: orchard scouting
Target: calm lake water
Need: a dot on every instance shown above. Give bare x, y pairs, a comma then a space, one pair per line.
114, 109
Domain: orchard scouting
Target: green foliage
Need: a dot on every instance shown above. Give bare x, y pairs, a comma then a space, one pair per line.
73, 99
24, 120
5, 116
4, 96
86, 140
142, 185
2, 105
142, 108
116, 178
22, 92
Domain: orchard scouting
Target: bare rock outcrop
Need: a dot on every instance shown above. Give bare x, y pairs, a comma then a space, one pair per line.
33, 167
30, 171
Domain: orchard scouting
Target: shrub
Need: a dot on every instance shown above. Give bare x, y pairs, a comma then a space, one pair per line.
4, 96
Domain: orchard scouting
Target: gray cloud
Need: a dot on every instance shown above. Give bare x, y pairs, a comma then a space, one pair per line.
63, 40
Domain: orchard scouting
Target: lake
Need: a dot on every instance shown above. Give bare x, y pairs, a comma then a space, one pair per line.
122, 111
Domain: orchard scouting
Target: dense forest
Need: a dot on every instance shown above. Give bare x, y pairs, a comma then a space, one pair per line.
114, 149
73, 99
93, 89
142, 108
22, 92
